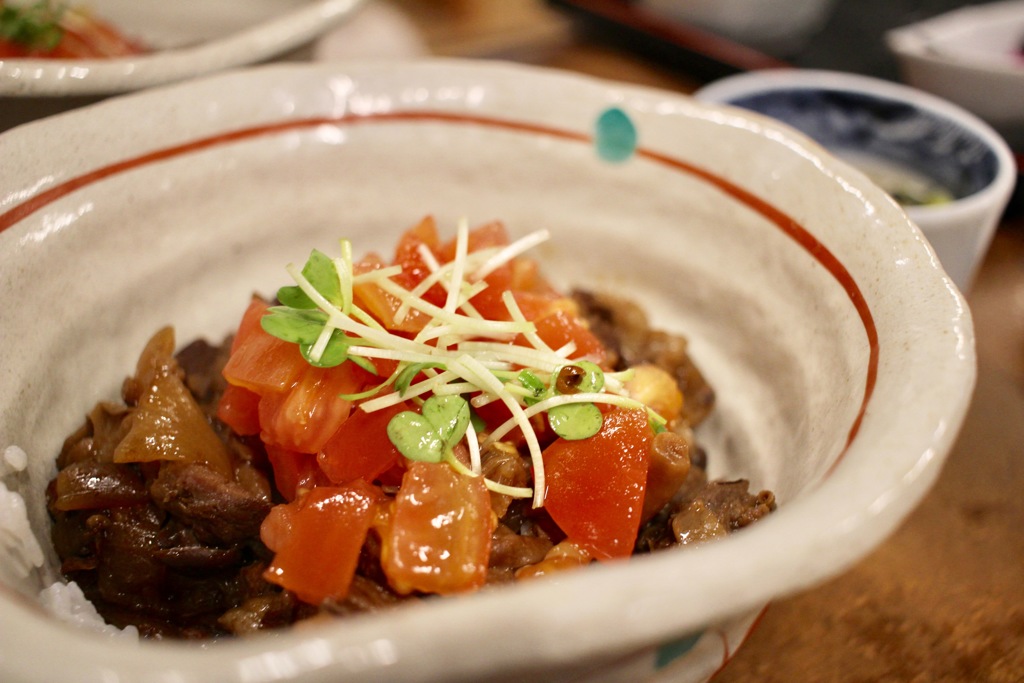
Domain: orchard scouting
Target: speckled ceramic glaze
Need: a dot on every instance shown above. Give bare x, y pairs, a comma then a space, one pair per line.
188, 38
842, 354
874, 121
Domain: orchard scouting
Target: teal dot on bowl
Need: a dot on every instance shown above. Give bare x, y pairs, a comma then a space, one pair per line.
669, 652
615, 135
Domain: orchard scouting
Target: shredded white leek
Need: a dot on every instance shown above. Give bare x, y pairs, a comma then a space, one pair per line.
506, 254
473, 444
458, 266
373, 276
561, 399
397, 397
469, 368
476, 356
471, 326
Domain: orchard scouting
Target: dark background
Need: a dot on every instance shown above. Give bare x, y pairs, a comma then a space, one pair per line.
851, 40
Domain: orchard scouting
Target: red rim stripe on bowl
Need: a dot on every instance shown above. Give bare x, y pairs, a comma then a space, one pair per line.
781, 220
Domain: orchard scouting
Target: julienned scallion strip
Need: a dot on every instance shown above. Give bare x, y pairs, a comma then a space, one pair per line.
457, 352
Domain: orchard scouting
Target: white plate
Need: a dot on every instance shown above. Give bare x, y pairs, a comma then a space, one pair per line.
188, 37
970, 56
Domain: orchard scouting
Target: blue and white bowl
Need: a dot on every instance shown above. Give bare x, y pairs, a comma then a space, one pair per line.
951, 172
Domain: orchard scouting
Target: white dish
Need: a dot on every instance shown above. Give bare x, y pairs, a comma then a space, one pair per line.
842, 355
776, 26
188, 38
971, 56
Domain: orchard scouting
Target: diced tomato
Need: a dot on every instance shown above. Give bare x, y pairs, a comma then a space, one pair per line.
488, 302
382, 305
539, 305
361, 449
385, 367
9, 50
305, 416
495, 414
407, 249
526, 277
239, 409
393, 475
533, 305
485, 236
86, 36
317, 540
259, 361
595, 486
439, 536
277, 526
561, 327
414, 267
83, 36
250, 321
294, 472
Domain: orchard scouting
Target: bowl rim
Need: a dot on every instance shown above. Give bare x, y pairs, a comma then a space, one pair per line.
728, 89
367, 645
914, 41
59, 78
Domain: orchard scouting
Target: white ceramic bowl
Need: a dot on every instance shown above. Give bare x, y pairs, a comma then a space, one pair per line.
842, 355
776, 26
907, 140
188, 38
972, 56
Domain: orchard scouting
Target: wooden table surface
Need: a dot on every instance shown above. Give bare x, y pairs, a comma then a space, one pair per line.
943, 598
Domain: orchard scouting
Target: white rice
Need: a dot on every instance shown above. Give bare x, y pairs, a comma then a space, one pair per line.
23, 558
67, 602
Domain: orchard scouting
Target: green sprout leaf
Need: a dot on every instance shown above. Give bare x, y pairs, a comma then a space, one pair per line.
534, 384
578, 378
575, 421
478, 422
336, 353
36, 27
429, 435
303, 327
531, 382
298, 326
320, 272
408, 374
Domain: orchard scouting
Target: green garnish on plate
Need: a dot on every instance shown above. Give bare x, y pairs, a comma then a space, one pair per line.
35, 27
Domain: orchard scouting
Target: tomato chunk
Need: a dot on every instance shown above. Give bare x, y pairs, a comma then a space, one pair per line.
294, 472
239, 409
439, 537
414, 266
361, 449
317, 540
561, 327
382, 305
595, 486
305, 416
485, 236
259, 361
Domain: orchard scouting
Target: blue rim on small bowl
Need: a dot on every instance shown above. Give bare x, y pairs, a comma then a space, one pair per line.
944, 165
